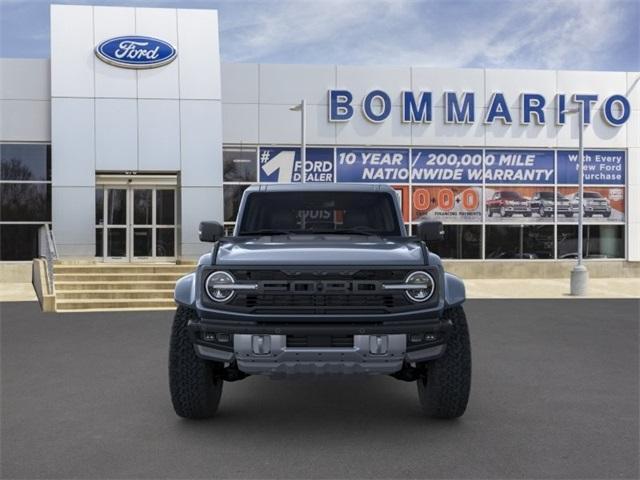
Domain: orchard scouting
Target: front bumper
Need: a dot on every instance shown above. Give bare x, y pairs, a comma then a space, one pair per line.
376, 349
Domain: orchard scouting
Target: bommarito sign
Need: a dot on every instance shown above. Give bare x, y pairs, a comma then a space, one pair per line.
460, 108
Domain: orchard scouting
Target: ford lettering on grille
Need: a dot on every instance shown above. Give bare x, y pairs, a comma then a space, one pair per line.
136, 52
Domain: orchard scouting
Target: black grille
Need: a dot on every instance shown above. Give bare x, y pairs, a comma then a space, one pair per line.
331, 290
319, 341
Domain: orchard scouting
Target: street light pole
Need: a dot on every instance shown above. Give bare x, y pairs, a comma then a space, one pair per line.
579, 273
303, 136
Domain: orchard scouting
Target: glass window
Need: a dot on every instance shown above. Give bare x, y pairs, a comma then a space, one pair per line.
116, 242
142, 206
25, 162
165, 242
460, 241
165, 207
18, 242
239, 164
99, 206
527, 242
232, 197
99, 244
599, 241
25, 202
322, 212
142, 242
117, 206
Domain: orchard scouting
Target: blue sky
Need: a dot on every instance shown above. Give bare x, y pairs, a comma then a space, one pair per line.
547, 34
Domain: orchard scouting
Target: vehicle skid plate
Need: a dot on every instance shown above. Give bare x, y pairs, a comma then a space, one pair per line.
369, 354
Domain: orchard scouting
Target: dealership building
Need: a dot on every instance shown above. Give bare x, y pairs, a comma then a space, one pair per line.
133, 131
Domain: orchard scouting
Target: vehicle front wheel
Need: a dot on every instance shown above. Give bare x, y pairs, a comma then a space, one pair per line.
443, 390
195, 384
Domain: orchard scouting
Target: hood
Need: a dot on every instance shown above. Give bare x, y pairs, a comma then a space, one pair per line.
319, 250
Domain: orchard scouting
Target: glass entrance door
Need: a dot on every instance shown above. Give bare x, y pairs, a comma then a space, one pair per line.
136, 223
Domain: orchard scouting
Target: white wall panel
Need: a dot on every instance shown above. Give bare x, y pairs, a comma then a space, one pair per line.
201, 142
633, 89
279, 125
25, 79
116, 134
72, 51
361, 80
319, 130
199, 54
73, 216
633, 129
72, 142
25, 121
602, 83
240, 82
519, 135
439, 133
111, 81
360, 131
599, 134
633, 204
158, 135
440, 80
198, 204
514, 82
240, 123
288, 84
159, 82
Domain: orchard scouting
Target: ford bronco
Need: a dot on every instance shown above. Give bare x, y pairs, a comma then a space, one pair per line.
320, 279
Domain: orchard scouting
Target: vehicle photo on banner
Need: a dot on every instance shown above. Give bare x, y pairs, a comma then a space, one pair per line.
447, 203
600, 204
284, 165
523, 204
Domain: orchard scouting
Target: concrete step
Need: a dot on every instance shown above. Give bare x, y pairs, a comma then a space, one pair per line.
116, 277
114, 294
99, 285
122, 269
113, 304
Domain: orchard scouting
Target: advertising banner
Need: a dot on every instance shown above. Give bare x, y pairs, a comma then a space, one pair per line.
508, 167
372, 165
600, 167
601, 204
402, 191
523, 205
445, 165
447, 203
283, 165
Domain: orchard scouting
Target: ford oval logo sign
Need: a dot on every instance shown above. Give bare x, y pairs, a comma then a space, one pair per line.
136, 52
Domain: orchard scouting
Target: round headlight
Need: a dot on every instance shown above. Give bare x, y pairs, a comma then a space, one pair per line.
214, 283
425, 286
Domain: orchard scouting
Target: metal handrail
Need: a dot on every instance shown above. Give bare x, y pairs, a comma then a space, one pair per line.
49, 251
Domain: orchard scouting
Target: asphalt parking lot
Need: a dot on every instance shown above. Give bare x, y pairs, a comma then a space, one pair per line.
555, 394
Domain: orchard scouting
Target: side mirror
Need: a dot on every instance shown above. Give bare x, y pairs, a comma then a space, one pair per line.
210, 231
429, 231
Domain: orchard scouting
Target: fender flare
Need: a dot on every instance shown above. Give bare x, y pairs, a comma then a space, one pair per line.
454, 291
185, 292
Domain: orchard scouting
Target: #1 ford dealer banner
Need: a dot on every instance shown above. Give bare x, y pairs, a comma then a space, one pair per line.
283, 165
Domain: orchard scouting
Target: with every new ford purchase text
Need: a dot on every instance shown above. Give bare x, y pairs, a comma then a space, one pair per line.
320, 279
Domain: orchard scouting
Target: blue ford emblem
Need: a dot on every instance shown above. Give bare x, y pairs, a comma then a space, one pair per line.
136, 52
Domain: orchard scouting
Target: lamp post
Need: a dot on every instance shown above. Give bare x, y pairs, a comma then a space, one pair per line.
303, 140
579, 273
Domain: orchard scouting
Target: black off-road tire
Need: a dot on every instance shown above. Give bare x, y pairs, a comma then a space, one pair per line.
444, 389
195, 384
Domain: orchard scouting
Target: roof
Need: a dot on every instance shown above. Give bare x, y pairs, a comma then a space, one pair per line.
320, 187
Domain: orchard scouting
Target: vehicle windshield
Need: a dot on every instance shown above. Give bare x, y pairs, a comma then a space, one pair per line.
547, 195
592, 195
511, 196
366, 213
